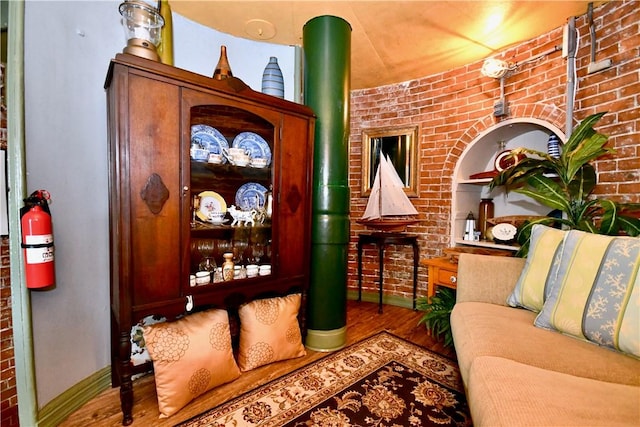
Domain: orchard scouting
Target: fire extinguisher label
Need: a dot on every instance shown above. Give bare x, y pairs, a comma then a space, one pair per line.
38, 239
42, 253
39, 255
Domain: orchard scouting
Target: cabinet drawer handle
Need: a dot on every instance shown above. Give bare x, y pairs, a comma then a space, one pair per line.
453, 279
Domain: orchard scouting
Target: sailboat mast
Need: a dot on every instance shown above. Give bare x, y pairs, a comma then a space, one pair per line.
380, 160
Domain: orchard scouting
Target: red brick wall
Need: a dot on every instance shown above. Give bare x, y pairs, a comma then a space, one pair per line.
8, 394
453, 107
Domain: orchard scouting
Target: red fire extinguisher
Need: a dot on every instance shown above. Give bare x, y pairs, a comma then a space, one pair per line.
37, 241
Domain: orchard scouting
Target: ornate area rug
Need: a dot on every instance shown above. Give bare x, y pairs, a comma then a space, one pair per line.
380, 381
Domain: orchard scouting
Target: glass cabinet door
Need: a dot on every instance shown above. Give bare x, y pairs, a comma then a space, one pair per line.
231, 186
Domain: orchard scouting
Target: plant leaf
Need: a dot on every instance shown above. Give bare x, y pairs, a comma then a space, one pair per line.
546, 191
609, 224
630, 225
437, 317
582, 131
524, 233
585, 151
583, 183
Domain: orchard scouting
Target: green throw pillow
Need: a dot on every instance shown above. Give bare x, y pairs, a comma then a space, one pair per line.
533, 285
596, 294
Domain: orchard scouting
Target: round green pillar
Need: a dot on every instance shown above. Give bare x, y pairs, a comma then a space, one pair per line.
327, 52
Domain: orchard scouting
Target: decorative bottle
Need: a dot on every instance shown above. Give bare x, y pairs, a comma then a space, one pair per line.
485, 212
272, 81
223, 69
227, 267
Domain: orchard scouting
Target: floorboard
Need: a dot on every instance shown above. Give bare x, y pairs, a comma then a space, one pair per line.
363, 320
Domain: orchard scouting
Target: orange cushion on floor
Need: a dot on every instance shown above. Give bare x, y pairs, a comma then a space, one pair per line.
269, 331
190, 356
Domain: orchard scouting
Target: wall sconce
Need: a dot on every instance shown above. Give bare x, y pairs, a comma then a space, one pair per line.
142, 26
497, 69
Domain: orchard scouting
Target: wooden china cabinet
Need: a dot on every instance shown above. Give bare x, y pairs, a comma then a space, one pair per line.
160, 196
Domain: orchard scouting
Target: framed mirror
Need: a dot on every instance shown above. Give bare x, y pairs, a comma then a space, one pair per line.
400, 144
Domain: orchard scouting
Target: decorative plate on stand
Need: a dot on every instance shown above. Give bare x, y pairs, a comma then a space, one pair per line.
257, 147
250, 196
210, 201
209, 138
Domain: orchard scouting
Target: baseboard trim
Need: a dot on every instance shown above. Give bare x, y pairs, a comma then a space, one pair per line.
386, 299
56, 411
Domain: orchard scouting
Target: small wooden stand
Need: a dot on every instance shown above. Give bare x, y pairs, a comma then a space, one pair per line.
381, 240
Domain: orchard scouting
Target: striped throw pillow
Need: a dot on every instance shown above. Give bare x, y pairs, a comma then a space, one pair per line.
533, 285
596, 293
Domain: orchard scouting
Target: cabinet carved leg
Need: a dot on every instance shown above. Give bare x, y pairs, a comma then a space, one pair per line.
126, 386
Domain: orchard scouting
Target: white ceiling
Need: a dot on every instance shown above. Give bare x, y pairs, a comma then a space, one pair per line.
393, 41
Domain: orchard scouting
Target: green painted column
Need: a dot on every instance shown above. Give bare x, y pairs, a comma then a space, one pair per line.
327, 77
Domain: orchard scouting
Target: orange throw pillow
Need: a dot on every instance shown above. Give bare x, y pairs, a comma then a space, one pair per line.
269, 331
190, 356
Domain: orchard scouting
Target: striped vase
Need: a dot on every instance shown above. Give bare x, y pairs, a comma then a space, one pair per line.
272, 81
553, 146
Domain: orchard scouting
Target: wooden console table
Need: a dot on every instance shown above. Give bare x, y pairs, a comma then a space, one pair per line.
442, 272
381, 240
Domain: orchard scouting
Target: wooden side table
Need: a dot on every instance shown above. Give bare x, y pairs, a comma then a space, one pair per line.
442, 272
381, 240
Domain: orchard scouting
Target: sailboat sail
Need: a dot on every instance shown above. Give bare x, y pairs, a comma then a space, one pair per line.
387, 196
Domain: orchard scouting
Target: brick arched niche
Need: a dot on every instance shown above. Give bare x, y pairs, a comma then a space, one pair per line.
476, 151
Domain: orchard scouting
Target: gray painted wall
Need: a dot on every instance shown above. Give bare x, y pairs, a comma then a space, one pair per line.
68, 45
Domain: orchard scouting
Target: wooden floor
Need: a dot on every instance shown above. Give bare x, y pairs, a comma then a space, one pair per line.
363, 320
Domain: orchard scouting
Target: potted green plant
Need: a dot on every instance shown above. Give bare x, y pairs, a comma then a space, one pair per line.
437, 316
565, 184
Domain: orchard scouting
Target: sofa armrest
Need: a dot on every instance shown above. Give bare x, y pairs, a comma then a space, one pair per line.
485, 278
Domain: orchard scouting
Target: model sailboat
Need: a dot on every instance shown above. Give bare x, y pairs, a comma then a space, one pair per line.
388, 208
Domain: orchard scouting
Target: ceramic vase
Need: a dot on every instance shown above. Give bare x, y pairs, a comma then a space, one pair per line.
553, 146
272, 81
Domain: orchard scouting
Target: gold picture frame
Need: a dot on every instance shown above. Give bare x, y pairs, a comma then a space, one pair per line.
400, 144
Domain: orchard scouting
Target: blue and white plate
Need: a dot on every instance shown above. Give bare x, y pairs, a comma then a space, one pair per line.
209, 138
250, 196
254, 144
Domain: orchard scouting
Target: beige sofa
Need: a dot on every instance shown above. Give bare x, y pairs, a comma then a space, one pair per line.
518, 374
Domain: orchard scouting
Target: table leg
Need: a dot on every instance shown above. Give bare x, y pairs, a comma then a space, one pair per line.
416, 256
381, 270
359, 271
431, 284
